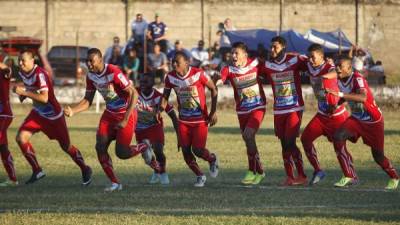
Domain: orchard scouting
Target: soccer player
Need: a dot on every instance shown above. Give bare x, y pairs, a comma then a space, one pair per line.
328, 119
366, 120
118, 121
283, 72
189, 85
250, 105
6, 117
150, 124
46, 116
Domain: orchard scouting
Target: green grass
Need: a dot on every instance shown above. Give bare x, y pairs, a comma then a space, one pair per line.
59, 198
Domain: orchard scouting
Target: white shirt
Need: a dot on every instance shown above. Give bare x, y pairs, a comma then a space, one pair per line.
139, 28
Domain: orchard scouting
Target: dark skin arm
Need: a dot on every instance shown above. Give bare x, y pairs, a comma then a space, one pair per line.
132, 101
83, 105
212, 117
356, 97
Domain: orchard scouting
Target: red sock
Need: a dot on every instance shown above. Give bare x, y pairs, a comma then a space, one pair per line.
29, 153
288, 163
254, 162
77, 157
155, 165
311, 154
207, 156
138, 149
191, 162
8, 163
345, 159
106, 164
298, 161
388, 168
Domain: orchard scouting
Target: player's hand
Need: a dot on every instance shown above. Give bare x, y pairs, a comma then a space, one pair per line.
68, 111
18, 90
121, 124
329, 91
212, 119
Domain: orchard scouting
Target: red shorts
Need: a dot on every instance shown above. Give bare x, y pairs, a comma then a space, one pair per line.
372, 133
4, 124
109, 121
252, 119
193, 134
155, 134
323, 125
54, 129
287, 125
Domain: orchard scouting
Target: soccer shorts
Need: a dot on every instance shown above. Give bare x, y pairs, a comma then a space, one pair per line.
107, 127
287, 125
372, 134
4, 124
193, 134
323, 125
54, 129
154, 133
252, 119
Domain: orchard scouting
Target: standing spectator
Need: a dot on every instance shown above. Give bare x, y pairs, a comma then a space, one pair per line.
178, 47
116, 57
138, 27
156, 33
131, 65
225, 44
199, 54
109, 50
157, 62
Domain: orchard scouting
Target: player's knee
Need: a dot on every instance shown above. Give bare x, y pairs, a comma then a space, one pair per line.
122, 152
198, 152
21, 138
100, 147
378, 156
3, 147
186, 151
340, 135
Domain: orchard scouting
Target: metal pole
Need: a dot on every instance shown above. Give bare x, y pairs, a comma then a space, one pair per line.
202, 19
357, 14
46, 21
126, 19
281, 6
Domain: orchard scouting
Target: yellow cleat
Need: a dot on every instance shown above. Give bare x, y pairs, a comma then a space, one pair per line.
9, 183
249, 177
258, 178
392, 184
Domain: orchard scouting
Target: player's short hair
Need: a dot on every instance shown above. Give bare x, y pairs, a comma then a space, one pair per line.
94, 51
344, 58
150, 75
240, 45
181, 54
316, 48
281, 40
28, 52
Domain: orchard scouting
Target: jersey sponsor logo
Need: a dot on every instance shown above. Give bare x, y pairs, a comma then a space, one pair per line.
245, 80
186, 82
42, 80
360, 82
243, 70
283, 66
189, 102
123, 79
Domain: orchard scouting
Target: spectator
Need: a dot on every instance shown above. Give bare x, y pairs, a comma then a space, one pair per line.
116, 57
362, 60
157, 63
226, 60
109, 50
199, 54
214, 51
225, 44
178, 48
138, 27
14, 69
131, 65
156, 33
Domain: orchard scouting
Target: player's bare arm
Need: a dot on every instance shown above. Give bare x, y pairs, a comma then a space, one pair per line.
212, 118
132, 101
83, 105
164, 100
359, 97
42, 96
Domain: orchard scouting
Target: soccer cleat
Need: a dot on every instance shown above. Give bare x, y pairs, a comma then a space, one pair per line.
300, 180
392, 184
317, 177
258, 178
9, 183
200, 181
113, 187
214, 167
154, 179
87, 176
288, 182
148, 153
164, 179
345, 181
249, 177
35, 177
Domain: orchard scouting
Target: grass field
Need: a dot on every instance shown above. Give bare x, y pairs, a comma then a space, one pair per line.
59, 198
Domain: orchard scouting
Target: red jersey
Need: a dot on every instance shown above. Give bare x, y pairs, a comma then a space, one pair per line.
5, 108
247, 87
190, 92
326, 102
146, 106
285, 78
111, 84
366, 111
38, 80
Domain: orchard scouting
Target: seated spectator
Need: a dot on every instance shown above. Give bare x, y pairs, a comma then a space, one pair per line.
131, 65
116, 57
178, 48
156, 33
157, 63
138, 27
199, 54
214, 51
225, 44
109, 50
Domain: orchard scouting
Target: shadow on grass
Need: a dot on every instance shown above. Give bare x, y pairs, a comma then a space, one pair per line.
224, 196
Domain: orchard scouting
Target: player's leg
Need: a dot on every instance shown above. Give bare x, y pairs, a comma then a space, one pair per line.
312, 131
158, 148
5, 153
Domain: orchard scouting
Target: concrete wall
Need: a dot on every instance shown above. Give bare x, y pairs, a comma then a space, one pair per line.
97, 21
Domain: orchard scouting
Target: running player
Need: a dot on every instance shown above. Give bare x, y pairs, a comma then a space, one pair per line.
189, 85
328, 119
6, 117
250, 105
118, 121
150, 124
283, 72
366, 120
46, 116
